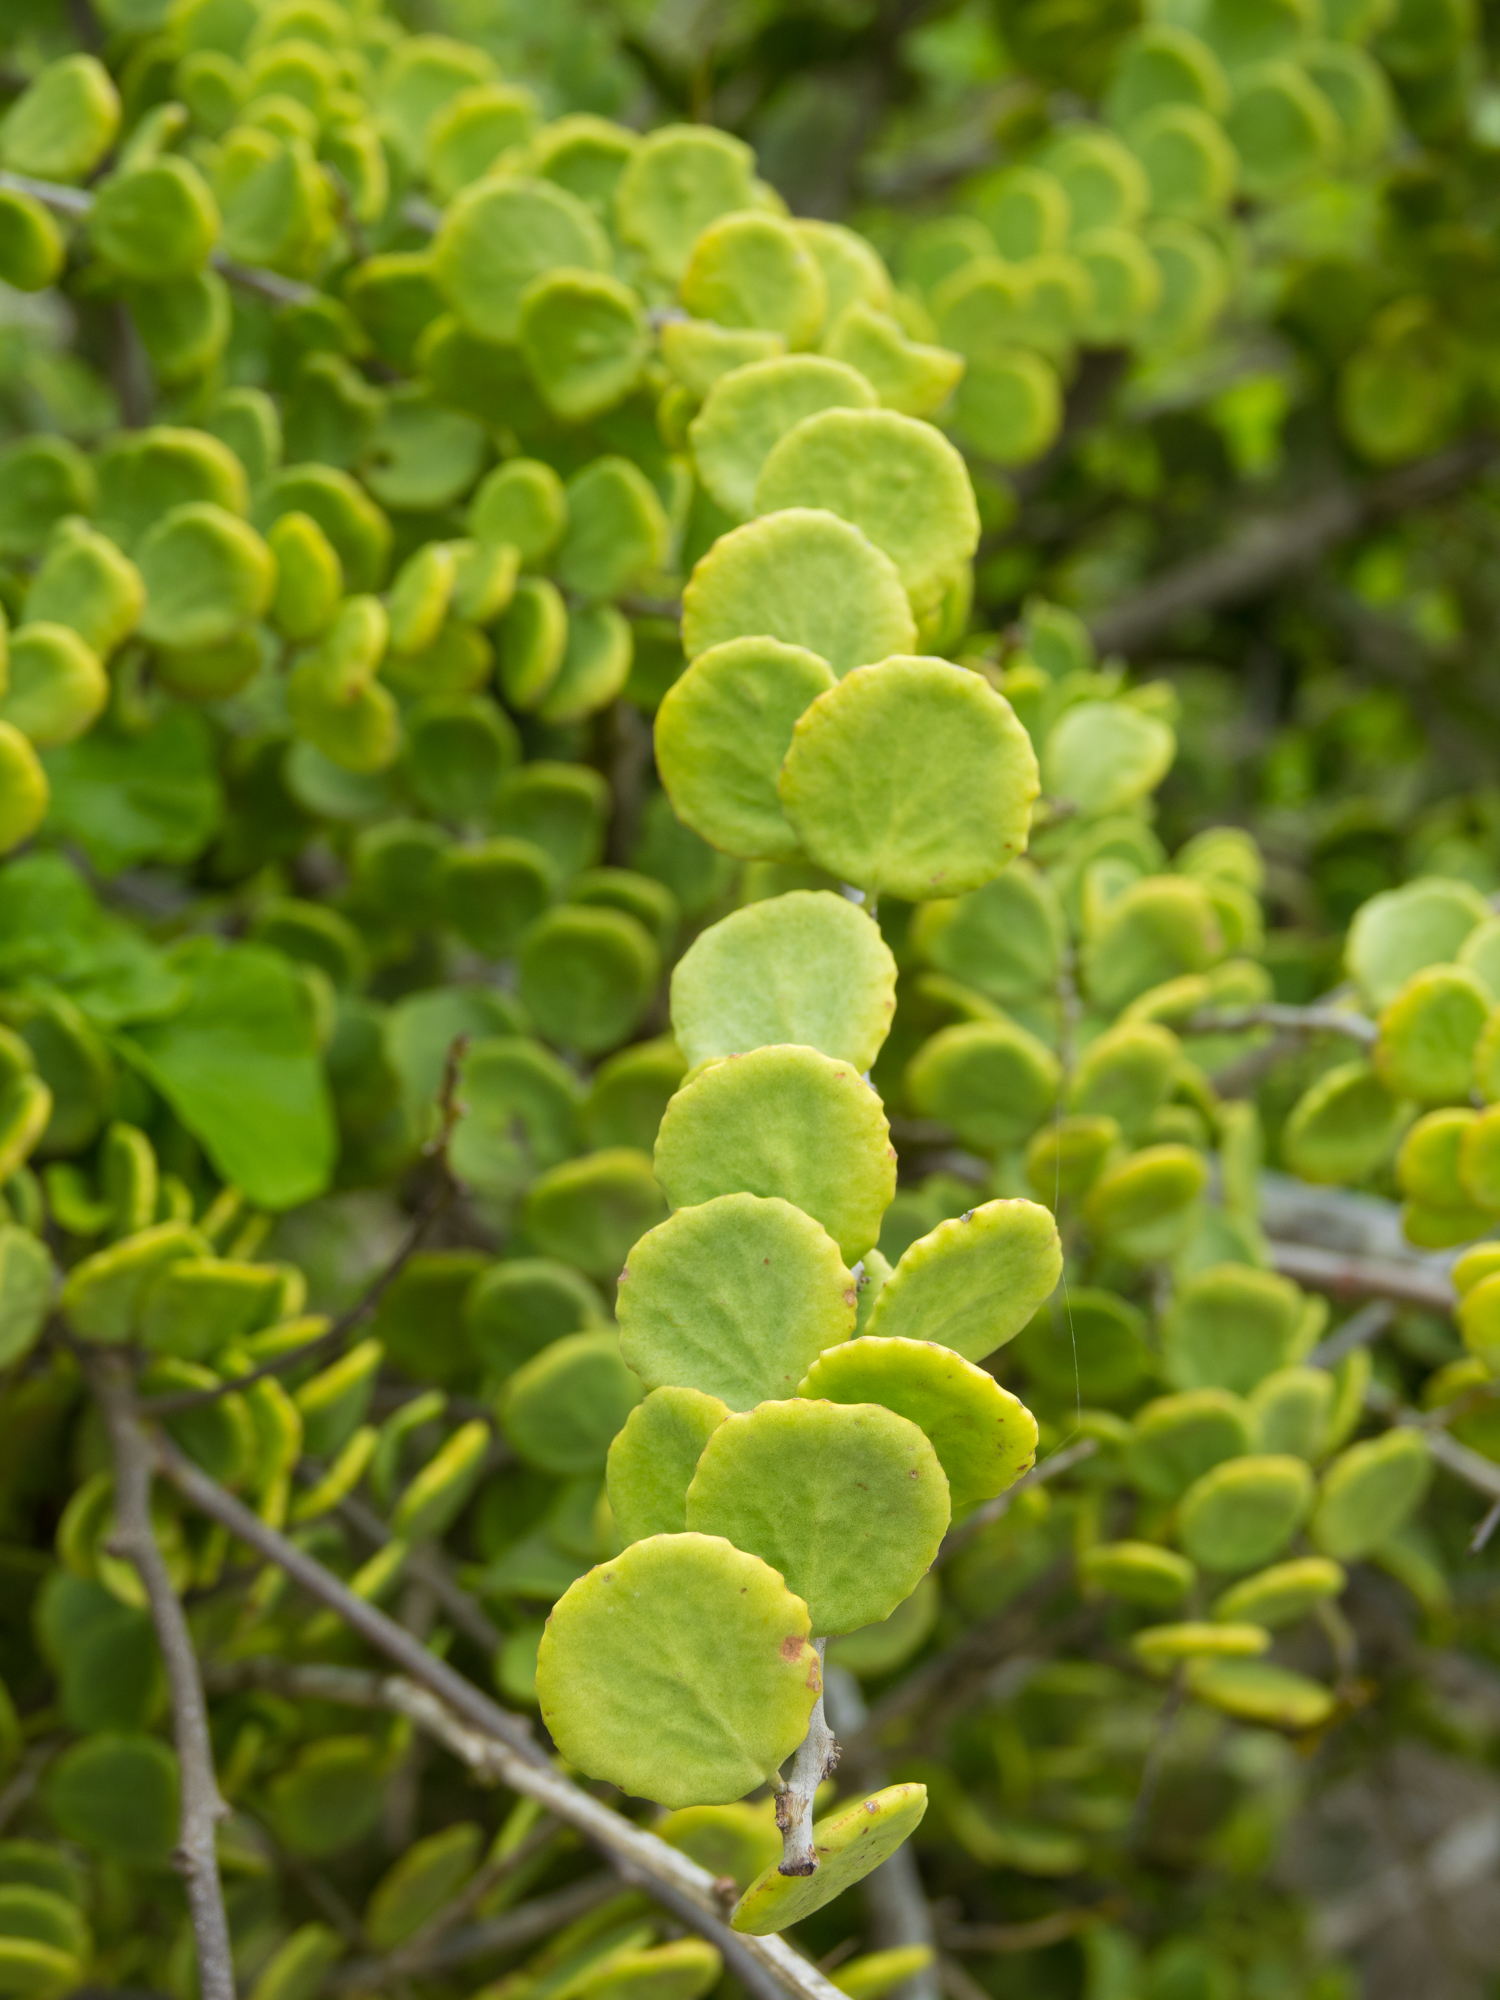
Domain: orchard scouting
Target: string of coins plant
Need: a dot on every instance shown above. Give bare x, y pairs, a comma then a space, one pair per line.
327, 674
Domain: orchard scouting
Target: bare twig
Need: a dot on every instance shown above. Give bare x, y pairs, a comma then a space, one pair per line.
1032, 1936
1485, 1529
498, 1745
1298, 1020
897, 1912
816, 1758
996, 1509
1358, 1330
1156, 1757
26, 1779
196, 1856
1265, 552
426, 1566
430, 1947
1343, 1277
508, 1932
77, 204
429, 1209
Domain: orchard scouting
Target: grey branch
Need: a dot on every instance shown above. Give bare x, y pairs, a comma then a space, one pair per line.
500, 1747
1298, 1020
817, 1755
1348, 1277
196, 1857
508, 1932
1266, 552
77, 204
897, 1911
996, 1509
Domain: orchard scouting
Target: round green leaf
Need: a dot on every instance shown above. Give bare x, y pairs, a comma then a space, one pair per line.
1402, 931
1228, 1327
679, 1671
1088, 1344
1105, 755
983, 1436
754, 270
1282, 127
584, 339
1165, 64
1428, 1033
32, 247
991, 1081
590, 1211
499, 235
1005, 938
26, 1281
804, 577
972, 1283
679, 180
57, 689
87, 584
520, 1114
1164, 1646
157, 221
897, 479
1140, 1572
1343, 1127
808, 967
736, 1297
849, 1844
520, 1306
206, 575
1176, 1439
783, 1121
912, 778
748, 409
848, 1501
116, 1795
594, 668
330, 1796
459, 750
521, 502
533, 640
722, 732
491, 891
617, 529
588, 975
1283, 1594
1292, 1408
562, 1408
64, 122
1245, 1511
1368, 1492
1145, 1207
1251, 1691
652, 1461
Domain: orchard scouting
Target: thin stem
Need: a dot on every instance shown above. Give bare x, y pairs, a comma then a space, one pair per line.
1359, 1330
1295, 1020
521, 1926
1156, 1757
425, 1566
497, 1746
816, 1759
1344, 1277
1267, 552
196, 1857
77, 204
996, 1509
